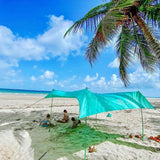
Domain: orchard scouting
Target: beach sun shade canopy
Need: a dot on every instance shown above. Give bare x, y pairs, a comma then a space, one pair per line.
93, 103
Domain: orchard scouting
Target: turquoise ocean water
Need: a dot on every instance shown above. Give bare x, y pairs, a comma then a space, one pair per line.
22, 91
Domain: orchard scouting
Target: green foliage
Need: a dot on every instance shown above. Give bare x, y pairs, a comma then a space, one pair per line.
98, 42
124, 52
91, 19
153, 14
124, 19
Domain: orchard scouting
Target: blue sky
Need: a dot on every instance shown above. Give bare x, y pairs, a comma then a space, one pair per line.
34, 55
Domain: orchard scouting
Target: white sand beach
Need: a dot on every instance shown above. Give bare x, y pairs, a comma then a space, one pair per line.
22, 138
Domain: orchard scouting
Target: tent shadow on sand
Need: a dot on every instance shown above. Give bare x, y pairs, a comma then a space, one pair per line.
65, 141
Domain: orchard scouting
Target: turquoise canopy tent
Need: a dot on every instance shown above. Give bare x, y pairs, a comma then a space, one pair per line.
93, 103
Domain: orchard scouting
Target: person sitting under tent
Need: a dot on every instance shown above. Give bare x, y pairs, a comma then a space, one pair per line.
46, 121
76, 121
65, 117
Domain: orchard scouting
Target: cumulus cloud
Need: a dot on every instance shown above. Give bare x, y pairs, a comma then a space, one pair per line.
51, 83
141, 79
8, 71
55, 43
115, 82
6, 64
49, 78
49, 44
14, 47
114, 64
67, 82
47, 75
89, 79
101, 83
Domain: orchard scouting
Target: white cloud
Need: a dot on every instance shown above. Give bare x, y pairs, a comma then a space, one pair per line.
114, 64
50, 79
11, 73
49, 44
101, 83
17, 81
89, 79
71, 79
46, 78
6, 64
54, 41
51, 83
33, 78
105, 86
14, 47
141, 79
61, 84
67, 82
47, 75
115, 82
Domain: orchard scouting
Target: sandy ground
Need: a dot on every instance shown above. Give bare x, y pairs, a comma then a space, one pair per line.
20, 116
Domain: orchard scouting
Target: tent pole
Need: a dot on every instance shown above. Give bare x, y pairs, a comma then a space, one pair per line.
142, 125
85, 143
50, 115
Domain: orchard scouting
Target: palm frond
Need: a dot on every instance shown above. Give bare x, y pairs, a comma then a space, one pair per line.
153, 14
123, 4
145, 3
106, 31
108, 19
147, 60
149, 36
124, 47
146, 55
144, 51
113, 17
94, 16
91, 19
97, 43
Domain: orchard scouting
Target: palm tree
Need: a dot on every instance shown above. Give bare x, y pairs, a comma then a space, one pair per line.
129, 21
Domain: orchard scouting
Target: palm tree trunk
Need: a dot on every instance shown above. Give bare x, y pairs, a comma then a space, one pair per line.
150, 38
